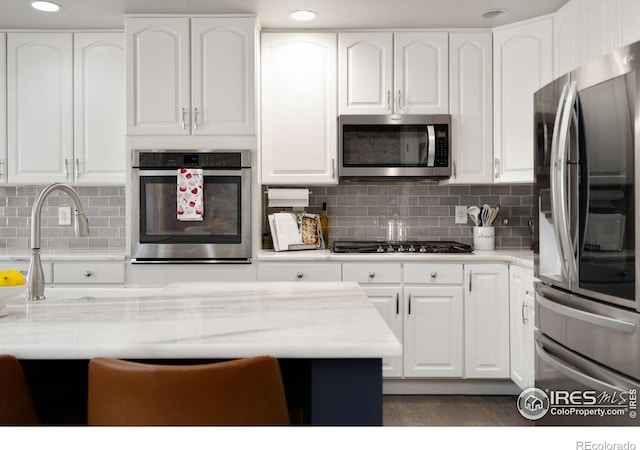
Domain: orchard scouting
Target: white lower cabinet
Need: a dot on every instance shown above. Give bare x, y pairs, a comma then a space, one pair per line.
486, 324
299, 272
522, 305
88, 272
433, 333
382, 284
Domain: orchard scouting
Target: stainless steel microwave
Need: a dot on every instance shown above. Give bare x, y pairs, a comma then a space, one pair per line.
394, 146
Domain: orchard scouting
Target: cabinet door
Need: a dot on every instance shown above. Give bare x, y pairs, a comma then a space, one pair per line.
223, 76
599, 33
518, 320
99, 108
3, 108
471, 75
299, 144
421, 72
529, 329
39, 107
387, 301
299, 272
365, 73
486, 321
523, 59
566, 39
433, 334
158, 84
628, 17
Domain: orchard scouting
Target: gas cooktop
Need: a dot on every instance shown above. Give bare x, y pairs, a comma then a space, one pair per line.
401, 247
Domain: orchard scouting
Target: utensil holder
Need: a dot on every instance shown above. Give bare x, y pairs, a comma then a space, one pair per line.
484, 238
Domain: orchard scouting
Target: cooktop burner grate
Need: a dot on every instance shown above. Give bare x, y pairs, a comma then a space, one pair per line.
401, 247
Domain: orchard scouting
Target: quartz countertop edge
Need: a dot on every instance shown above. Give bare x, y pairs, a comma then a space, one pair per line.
64, 255
202, 320
520, 257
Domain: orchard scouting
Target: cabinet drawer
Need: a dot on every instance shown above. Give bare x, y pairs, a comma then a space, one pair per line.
88, 272
433, 273
23, 266
299, 272
370, 273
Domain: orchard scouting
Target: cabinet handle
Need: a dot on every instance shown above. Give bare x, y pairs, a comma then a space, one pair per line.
454, 169
195, 119
470, 279
399, 100
434, 275
299, 275
388, 99
66, 168
1, 171
496, 166
397, 303
333, 168
372, 274
525, 317
77, 167
409, 305
183, 124
87, 273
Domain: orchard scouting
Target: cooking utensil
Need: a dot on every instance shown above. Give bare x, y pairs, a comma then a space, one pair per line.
484, 215
473, 212
493, 215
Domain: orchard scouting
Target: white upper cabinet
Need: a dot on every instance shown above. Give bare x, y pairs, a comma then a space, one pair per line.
401, 73
158, 62
421, 72
471, 86
523, 56
299, 112
629, 13
599, 33
99, 108
566, 39
3, 109
39, 107
191, 76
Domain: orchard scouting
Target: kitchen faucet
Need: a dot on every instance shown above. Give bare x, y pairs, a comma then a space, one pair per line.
35, 278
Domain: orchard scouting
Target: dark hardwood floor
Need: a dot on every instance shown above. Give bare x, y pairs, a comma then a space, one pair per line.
451, 410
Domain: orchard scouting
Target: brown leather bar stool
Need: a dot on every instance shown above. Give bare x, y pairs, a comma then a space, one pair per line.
240, 392
16, 404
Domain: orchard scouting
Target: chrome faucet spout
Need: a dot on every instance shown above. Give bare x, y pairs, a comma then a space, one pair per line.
35, 278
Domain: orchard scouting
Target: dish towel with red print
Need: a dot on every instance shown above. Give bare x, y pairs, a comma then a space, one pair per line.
190, 206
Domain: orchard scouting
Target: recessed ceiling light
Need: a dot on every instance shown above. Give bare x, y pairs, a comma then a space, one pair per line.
45, 6
303, 15
494, 13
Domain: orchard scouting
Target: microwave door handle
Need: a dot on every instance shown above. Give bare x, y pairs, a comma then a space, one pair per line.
431, 146
556, 201
572, 373
563, 194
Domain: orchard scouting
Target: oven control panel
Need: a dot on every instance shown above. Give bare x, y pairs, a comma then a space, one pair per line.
177, 159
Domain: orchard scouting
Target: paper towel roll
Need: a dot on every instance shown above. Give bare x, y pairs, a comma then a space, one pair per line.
297, 198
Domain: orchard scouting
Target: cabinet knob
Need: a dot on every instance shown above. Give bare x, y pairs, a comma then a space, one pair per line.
434, 275
372, 274
88, 273
299, 274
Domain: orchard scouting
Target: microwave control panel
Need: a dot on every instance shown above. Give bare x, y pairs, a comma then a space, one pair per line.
441, 146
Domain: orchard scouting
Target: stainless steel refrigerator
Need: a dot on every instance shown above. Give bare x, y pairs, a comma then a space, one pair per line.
587, 164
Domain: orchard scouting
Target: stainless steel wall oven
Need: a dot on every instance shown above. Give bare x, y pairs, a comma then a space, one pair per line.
221, 235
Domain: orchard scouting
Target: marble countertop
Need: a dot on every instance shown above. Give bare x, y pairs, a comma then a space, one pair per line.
520, 257
64, 255
200, 320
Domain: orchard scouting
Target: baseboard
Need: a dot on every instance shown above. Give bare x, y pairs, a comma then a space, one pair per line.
449, 387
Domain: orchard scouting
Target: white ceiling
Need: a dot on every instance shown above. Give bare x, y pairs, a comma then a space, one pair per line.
273, 14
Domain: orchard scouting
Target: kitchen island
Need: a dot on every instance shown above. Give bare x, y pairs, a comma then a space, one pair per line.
328, 337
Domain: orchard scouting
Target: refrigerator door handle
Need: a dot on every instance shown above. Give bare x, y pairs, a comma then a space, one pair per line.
560, 172
584, 316
572, 373
555, 200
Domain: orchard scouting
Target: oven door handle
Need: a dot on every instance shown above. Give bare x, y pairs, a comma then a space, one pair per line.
172, 172
585, 316
572, 373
